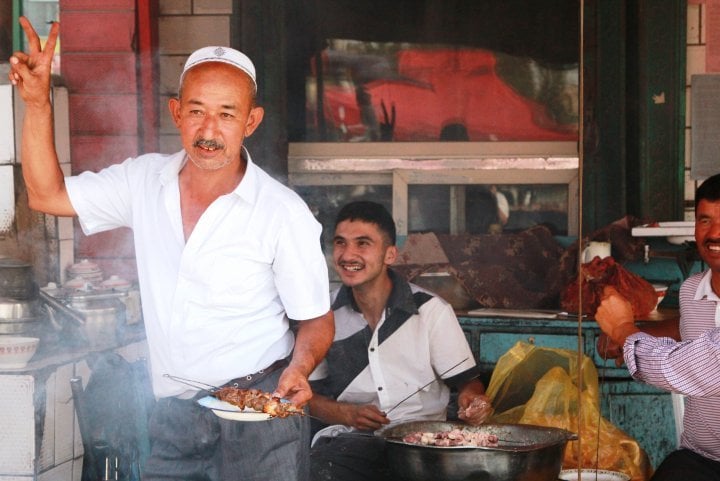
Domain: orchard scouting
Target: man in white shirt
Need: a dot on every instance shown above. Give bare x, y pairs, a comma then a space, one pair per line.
391, 338
225, 256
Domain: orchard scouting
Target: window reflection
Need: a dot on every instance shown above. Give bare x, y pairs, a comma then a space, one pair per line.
389, 91
452, 209
326, 201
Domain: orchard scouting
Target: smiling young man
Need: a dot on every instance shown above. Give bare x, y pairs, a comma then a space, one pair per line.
391, 338
690, 366
225, 256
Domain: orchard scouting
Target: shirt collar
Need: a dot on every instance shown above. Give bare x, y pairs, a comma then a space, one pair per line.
171, 170
401, 297
246, 189
705, 290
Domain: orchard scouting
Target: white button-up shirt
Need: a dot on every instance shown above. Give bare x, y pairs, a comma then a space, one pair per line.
418, 340
214, 307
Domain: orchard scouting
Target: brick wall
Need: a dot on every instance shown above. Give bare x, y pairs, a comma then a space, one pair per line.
100, 55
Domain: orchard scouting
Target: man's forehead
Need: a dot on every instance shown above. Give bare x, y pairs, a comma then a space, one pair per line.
357, 228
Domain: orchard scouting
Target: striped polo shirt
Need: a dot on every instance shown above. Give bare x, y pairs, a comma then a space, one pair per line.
690, 367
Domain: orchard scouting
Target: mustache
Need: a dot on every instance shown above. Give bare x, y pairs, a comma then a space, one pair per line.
208, 144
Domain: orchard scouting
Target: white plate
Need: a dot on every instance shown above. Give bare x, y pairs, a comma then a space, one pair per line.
592, 475
229, 411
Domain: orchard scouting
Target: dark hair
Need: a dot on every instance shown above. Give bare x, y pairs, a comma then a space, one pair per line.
708, 190
368, 211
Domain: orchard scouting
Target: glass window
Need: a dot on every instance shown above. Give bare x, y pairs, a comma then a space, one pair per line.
362, 91
41, 14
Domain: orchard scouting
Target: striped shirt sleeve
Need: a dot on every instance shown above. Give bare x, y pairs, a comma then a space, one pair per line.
688, 367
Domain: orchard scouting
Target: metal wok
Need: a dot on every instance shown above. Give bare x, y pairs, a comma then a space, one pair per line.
525, 453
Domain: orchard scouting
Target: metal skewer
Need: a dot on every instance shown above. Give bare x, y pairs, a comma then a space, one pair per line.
195, 384
425, 385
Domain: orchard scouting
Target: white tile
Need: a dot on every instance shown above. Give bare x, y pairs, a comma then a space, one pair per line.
19, 113
77, 469
63, 472
65, 228
65, 412
67, 257
693, 24
17, 418
46, 459
82, 370
695, 61
175, 7
62, 123
205, 7
690, 187
7, 122
7, 198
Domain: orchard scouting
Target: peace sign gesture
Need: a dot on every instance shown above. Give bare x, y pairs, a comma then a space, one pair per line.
30, 72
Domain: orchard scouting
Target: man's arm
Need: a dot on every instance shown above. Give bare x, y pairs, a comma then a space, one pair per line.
30, 73
359, 416
609, 349
312, 342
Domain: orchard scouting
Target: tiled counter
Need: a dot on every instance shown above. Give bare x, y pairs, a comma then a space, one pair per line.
40, 439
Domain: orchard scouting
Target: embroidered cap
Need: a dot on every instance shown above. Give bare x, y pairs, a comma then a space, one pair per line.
220, 54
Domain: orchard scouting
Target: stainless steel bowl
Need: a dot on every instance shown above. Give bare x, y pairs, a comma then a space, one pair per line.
525, 453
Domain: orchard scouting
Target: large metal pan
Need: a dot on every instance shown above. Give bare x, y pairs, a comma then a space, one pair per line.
525, 453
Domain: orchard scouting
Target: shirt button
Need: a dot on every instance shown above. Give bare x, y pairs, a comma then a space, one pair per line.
380, 388
372, 349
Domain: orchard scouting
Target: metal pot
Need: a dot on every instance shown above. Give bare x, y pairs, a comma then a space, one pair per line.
98, 319
525, 453
20, 316
104, 320
16, 279
18, 310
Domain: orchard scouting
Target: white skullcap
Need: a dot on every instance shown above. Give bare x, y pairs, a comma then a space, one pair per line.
226, 55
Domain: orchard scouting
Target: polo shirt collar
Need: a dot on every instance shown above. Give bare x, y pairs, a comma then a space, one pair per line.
705, 290
401, 297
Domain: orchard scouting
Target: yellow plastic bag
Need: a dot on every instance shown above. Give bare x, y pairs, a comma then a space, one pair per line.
534, 385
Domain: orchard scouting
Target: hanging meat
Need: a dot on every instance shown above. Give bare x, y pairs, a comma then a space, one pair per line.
257, 400
597, 274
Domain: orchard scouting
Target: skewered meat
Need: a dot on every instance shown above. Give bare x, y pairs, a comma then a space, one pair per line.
257, 400
455, 437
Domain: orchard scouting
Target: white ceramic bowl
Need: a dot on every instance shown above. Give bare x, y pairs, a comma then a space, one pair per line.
588, 474
16, 351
